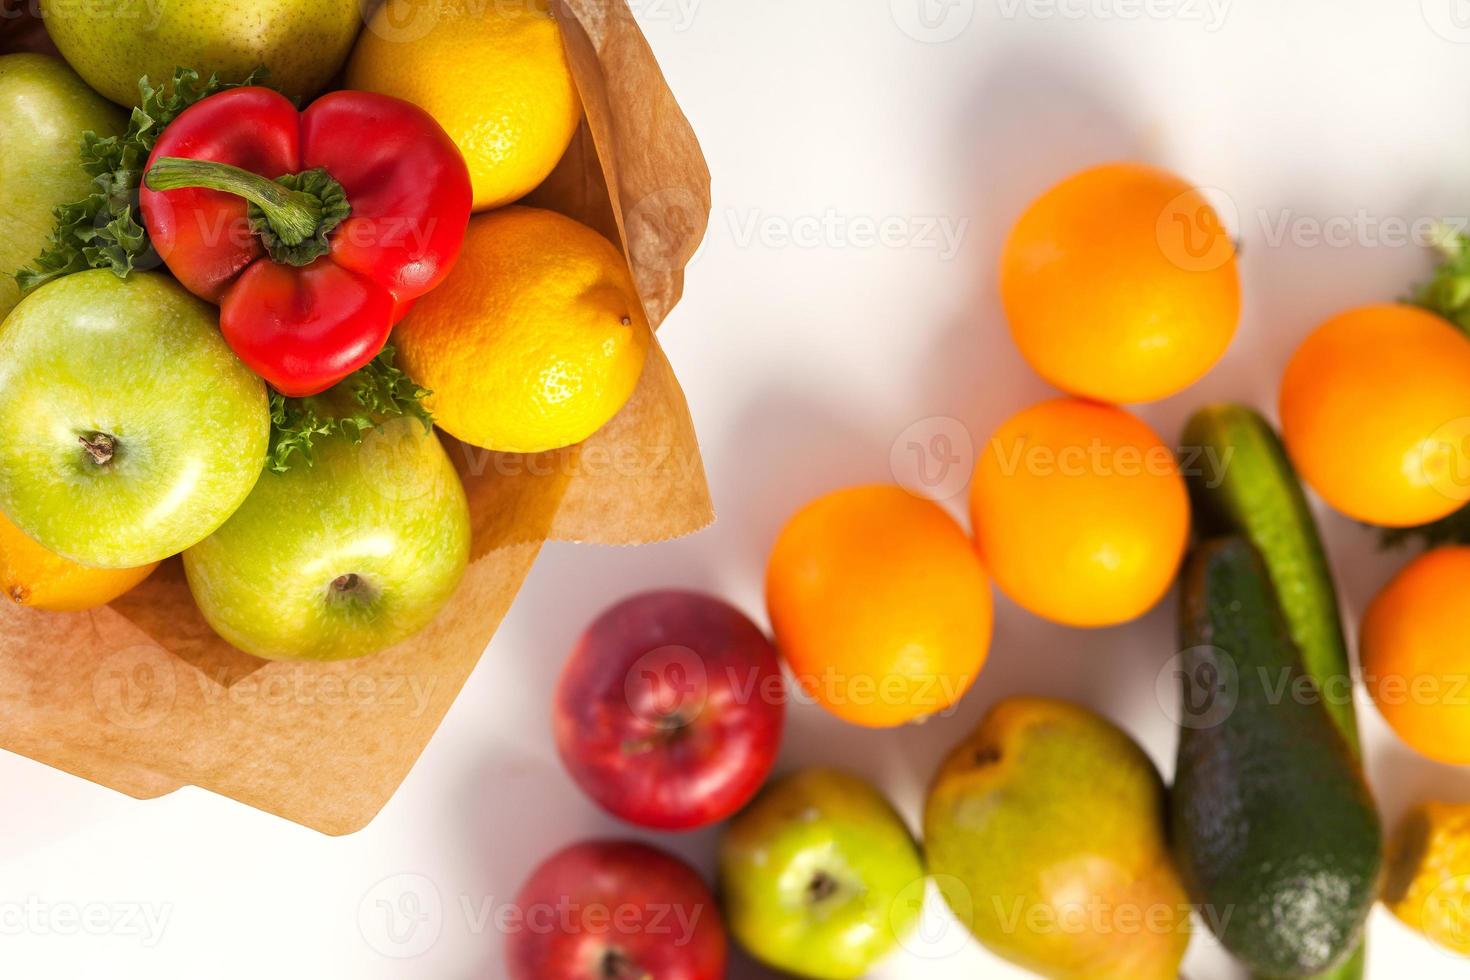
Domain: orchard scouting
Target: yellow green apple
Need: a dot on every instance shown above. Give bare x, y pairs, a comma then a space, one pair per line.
128, 428
819, 876
340, 558
44, 110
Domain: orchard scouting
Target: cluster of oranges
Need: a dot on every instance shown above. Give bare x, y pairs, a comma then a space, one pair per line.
1079, 510
1120, 286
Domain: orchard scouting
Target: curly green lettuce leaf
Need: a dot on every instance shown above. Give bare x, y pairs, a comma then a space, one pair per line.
372, 395
1454, 529
1447, 293
104, 230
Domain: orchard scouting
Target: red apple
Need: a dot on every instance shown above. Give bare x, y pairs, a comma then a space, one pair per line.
615, 910
669, 711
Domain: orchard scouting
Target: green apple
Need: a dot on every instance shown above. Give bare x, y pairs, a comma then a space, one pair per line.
341, 558
128, 428
820, 876
44, 110
112, 44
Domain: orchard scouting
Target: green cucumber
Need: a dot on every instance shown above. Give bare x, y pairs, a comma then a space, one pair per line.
1241, 482
1271, 819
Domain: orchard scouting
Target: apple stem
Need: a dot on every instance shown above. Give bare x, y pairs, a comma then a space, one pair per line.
822, 887
617, 966
350, 582
100, 446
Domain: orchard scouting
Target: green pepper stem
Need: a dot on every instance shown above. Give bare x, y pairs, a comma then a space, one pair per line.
294, 216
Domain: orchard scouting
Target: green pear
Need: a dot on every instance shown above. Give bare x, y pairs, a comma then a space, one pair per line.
112, 45
44, 110
340, 558
128, 428
819, 876
1044, 831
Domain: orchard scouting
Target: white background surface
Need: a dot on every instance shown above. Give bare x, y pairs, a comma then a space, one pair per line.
805, 361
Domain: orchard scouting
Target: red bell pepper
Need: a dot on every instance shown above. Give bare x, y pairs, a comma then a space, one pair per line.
314, 231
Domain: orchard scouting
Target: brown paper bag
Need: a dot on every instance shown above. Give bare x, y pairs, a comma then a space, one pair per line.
141, 696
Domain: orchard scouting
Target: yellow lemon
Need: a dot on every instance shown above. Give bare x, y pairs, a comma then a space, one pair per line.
494, 75
1428, 884
32, 576
535, 340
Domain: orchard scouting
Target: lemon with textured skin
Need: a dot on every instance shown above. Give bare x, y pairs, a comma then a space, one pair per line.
494, 75
535, 340
1428, 884
32, 576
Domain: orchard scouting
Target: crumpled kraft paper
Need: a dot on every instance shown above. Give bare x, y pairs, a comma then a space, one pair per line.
142, 697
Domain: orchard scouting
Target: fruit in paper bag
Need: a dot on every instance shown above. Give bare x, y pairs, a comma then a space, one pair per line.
312, 230
535, 340
819, 876
342, 557
32, 576
493, 74
1045, 833
113, 44
44, 110
879, 605
1120, 284
131, 429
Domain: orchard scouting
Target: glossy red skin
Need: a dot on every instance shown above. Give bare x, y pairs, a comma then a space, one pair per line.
680, 653
620, 898
304, 329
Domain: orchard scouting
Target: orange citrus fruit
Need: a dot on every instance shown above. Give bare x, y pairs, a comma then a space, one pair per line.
1428, 881
32, 576
879, 605
1375, 412
493, 74
1416, 654
535, 340
1120, 284
1079, 512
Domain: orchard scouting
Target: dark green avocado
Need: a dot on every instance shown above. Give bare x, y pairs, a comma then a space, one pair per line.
1276, 833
